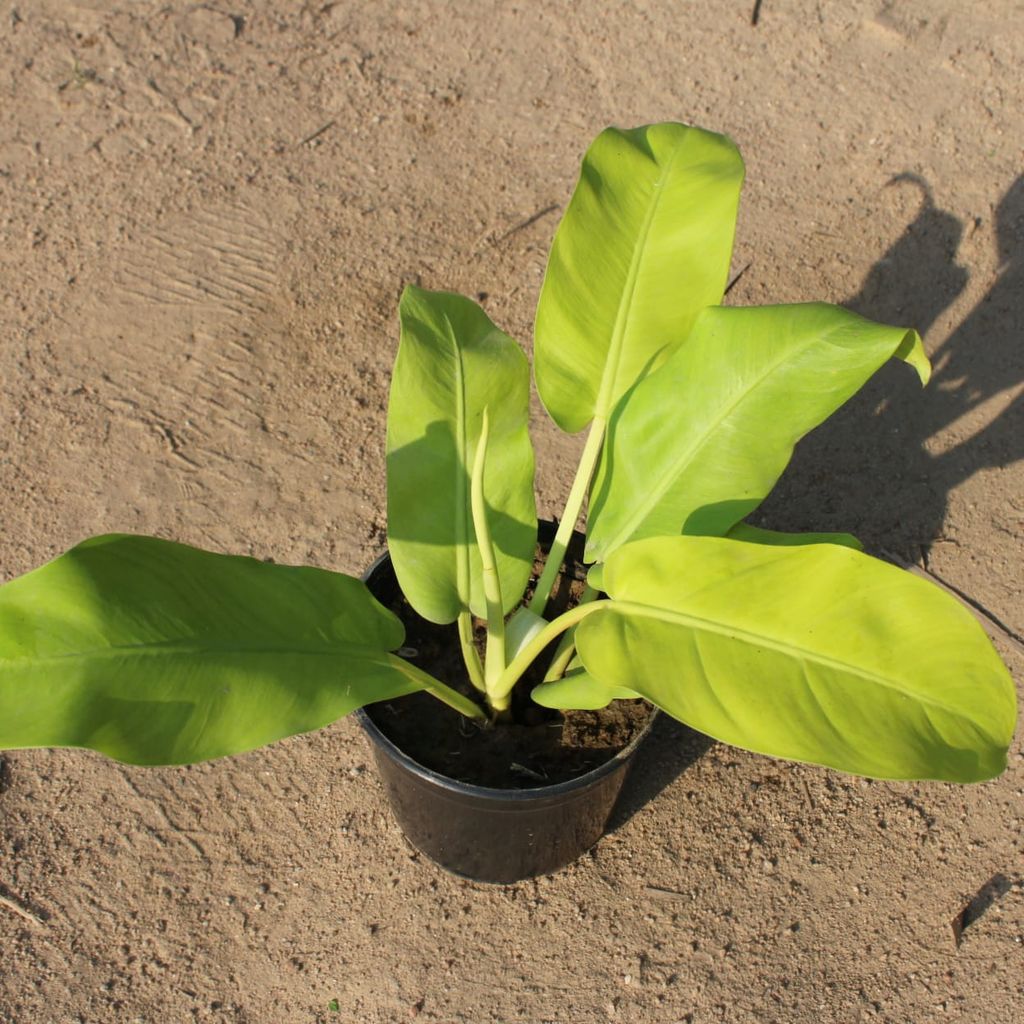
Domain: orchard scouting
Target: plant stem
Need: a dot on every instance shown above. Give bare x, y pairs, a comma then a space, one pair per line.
518, 665
469, 651
521, 662
494, 663
462, 570
573, 506
441, 691
567, 645
563, 655
456, 701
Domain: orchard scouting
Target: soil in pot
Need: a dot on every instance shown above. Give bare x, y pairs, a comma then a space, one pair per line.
539, 746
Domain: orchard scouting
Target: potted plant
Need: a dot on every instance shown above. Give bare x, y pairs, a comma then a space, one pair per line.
798, 647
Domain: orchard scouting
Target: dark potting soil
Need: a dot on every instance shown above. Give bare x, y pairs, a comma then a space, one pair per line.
538, 747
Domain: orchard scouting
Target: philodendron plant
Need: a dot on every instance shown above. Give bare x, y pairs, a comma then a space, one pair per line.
797, 646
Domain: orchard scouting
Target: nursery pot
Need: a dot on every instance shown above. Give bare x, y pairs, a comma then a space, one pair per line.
485, 834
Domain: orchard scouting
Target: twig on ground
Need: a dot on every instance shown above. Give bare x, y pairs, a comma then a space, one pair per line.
522, 225
486, 239
17, 908
736, 280
316, 135
662, 893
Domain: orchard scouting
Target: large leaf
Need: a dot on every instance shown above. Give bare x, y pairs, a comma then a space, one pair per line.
698, 445
644, 245
157, 653
816, 653
452, 364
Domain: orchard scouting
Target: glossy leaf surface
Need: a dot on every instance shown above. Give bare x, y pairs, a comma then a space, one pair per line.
817, 653
756, 535
521, 628
452, 364
580, 690
644, 245
157, 653
698, 445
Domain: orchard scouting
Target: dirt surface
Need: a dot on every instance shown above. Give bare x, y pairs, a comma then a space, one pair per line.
207, 213
546, 749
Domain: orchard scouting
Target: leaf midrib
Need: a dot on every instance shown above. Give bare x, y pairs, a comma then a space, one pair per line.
462, 568
677, 466
194, 647
700, 623
602, 406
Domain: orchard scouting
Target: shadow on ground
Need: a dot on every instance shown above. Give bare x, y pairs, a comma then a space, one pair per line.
874, 468
669, 751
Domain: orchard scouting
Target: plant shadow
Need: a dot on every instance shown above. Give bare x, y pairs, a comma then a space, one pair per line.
669, 750
926, 444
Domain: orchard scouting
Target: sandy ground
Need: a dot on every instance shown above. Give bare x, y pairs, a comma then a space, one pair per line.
207, 211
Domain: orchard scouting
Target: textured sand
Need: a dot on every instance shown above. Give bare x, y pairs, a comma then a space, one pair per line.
207, 213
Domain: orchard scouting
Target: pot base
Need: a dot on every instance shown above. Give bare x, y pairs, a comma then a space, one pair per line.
497, 835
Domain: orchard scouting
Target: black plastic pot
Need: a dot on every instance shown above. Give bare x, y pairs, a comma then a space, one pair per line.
485, 834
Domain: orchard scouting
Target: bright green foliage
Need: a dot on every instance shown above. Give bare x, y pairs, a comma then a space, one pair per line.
522, 627
644, 245
794, 646
756, 535
579, 689
452, 364
157, 653
698, 445
814, 653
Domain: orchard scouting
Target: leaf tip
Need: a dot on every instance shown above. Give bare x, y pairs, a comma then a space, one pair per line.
911, 350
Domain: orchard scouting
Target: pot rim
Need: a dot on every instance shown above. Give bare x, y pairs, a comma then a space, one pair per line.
523, 795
